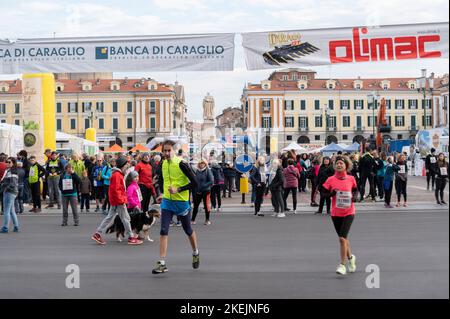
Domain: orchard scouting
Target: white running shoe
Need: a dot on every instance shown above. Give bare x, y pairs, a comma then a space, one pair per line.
352, 264
341, 270
281, 215
295, 212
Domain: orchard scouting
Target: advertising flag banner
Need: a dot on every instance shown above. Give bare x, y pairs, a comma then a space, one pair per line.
300, 48
207, 52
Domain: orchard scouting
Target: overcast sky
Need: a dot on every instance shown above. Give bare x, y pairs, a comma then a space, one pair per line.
36, 19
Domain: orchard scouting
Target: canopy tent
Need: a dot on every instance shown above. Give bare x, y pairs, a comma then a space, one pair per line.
331, 148
140, 148
114, 149
158, 149
352, 148
294, 146
180, 140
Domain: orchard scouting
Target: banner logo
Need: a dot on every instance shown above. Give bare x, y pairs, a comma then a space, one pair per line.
101, 53
289, 52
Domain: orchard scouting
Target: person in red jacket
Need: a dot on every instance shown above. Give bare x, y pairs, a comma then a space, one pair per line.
144, 169
118, 200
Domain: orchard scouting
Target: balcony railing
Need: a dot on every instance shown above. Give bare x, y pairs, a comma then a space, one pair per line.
359, 128
303, 128
266, 108
413, 128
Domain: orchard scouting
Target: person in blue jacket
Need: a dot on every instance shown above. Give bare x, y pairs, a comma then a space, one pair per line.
106, 176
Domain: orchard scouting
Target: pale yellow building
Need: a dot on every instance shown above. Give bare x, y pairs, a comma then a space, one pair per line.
129, 111
293, 104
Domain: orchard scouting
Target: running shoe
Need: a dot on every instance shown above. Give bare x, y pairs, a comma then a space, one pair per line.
314, 205
438, 202
352, 264
207, 223
405, 205
178, 224
443, 203
160, 268
281, 215
341, 270
260, 215
98, 238
196, 261
193, 222
172, 223
16, 229
295, 212
63, 224
398, 205
134, 241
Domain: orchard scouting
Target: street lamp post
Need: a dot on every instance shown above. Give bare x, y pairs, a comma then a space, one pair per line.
422, 87
373, 100
326, 123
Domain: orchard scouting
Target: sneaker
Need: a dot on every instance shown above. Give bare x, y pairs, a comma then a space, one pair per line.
405, 205
193, 222
281, 215
81, 210
97, 210
274, 215
134, 241
4, 231
207, 223
98, 238
260, 215
171, 223
352, 264
160, 268
438, 202
178, 224
218, 210
318, 213
37, 210
87, 211
341, 270
32, 210
49, 206
63, 224
295, 212
398, 205
16, 229
195, 261
443, 203
314, 205
77, 224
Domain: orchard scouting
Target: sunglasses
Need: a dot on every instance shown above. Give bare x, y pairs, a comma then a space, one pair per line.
8, 162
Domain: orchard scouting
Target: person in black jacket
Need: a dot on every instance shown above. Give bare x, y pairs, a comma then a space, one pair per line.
355, 168
430, 167
326, 170
258, 180
276, 181
441, 172
230, 175
366, 171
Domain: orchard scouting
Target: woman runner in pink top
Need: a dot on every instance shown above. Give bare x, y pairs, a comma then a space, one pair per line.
342, 188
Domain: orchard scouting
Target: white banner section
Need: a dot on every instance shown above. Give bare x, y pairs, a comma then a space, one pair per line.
267, 50
208, 52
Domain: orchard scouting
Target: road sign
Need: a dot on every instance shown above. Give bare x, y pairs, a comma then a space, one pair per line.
244, 163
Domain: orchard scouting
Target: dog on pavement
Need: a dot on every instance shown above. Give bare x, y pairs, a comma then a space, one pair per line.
141, 222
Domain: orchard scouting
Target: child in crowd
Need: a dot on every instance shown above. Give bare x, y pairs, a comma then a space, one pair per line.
86, 189
134, 195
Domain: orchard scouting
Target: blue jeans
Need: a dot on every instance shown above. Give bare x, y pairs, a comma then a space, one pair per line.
8, 209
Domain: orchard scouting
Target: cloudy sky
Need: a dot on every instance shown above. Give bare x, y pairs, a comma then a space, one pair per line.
62, 18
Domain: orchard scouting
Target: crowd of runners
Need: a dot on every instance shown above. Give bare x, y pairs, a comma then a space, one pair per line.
119, 184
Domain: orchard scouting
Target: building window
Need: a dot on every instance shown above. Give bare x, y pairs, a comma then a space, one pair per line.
87, 123
346, 121
399, 136
87, 106
429, 122
385, 87
100, 107
388, 104
399, 121
129, 138
17, 108
370, 120
115, 124
73, 107
318, 121
152, 123
331, 122
427, 103
129, 122
303, 122
289, 121
289, 105
399, 104
101, 124
3, 108
345, 104
17, 122
358, 86
289, 137
58, 125
246, 107
304, 77
58, 107
294, 77
266, 122
316, 104
388, 119
266, 105
358, 104
302, 105
3, 121
412, 104
115, 107
331, 104
73, 124
152, 107
317, 137
130, 107
345, 137
285, 77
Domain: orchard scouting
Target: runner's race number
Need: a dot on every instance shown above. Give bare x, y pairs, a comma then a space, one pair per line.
343, 199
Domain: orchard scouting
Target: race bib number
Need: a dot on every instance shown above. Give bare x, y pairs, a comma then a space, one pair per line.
343, 199
32, 172
443, 171
139, 195
67, 184
402, 169
433, 160
95, 183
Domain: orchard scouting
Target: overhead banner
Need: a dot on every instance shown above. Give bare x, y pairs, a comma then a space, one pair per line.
208, 52
268, 50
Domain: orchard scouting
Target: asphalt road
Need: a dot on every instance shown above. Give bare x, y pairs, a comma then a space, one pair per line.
241, 257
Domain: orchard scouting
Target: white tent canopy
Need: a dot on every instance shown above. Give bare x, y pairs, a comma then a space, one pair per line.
294, 146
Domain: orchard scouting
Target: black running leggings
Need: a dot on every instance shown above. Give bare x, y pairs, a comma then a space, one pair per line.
400, 188
432, 176
259, 197
294, 196
197, 200
440, 186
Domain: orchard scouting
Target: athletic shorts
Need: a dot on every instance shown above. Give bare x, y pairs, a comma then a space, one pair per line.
99, 192
342, 224
166, 218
